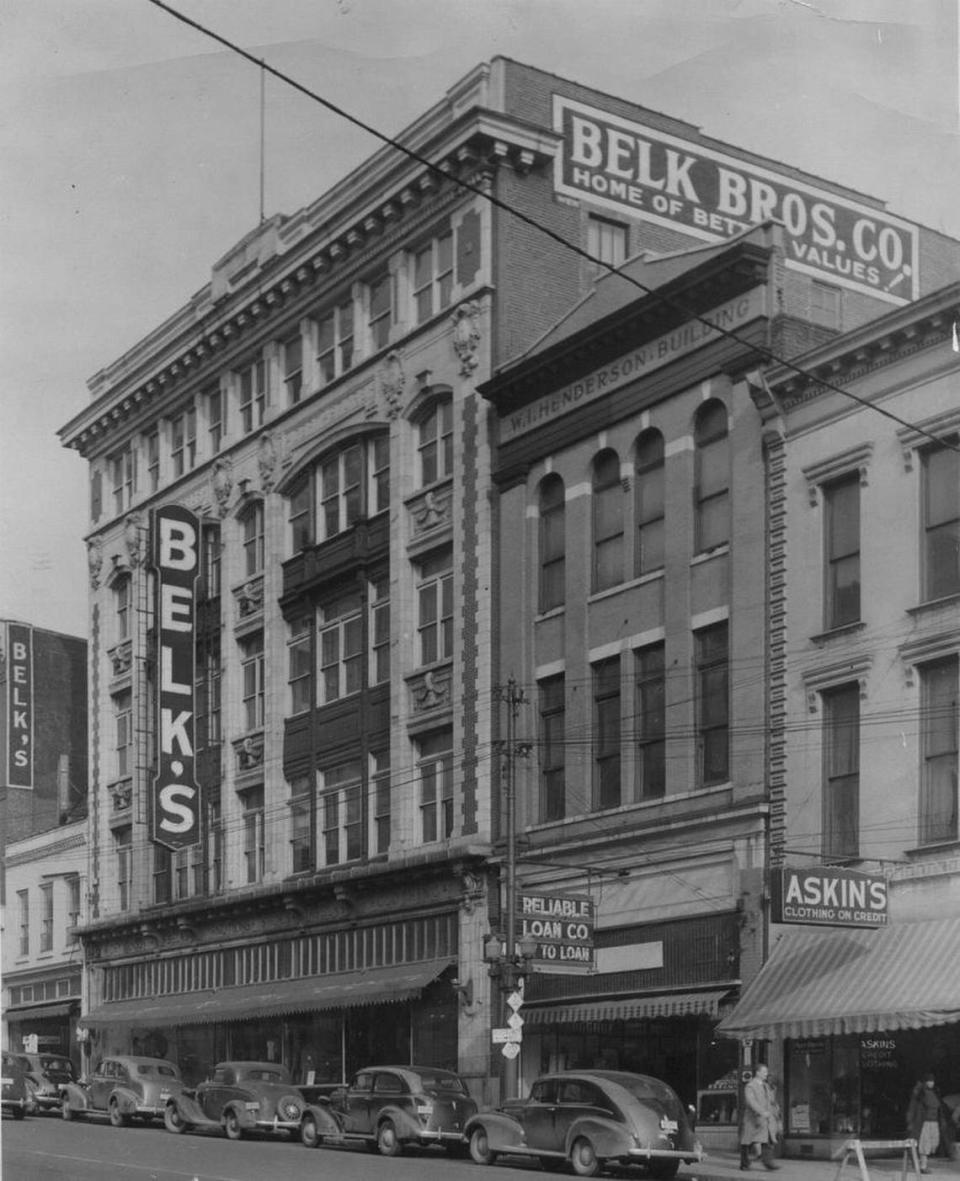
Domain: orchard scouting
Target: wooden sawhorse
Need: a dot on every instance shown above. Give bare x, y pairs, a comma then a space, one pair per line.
858, 1147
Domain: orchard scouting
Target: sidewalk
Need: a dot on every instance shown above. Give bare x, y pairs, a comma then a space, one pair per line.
723, 1166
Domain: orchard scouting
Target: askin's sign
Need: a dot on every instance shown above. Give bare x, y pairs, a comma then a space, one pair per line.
175, 816
19, 705
829, 897
644, 359
562, 924
628, 167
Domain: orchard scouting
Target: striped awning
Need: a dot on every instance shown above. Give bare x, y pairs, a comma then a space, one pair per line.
41, 1012
344, 990
660, 1004
817, 984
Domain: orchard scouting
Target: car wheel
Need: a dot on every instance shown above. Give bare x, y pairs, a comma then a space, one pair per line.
664, 1170
231, 1125
583, 1158
310, 1133
480, 1152
173, 1121
117, 1118
388, 1142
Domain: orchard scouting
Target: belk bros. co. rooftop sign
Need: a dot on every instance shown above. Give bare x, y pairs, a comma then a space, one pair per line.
629, 167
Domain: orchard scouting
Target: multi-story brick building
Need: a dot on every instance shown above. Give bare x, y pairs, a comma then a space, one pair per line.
331, 720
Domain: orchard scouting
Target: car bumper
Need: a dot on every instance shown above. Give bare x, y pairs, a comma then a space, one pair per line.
439, 1135
149, 1112
277, 1125
16, 1105
688, 1156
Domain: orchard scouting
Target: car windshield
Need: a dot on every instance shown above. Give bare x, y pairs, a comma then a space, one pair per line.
441, 1080
156, 1070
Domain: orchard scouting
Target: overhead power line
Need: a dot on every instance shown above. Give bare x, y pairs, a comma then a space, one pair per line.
766, 354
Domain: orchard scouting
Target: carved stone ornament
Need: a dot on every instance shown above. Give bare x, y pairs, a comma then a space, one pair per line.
94, 560
134, 537
267, 462
392, 381
466, 336
222, 480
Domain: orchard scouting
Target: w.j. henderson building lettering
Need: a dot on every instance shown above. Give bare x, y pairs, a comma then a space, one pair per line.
639, 361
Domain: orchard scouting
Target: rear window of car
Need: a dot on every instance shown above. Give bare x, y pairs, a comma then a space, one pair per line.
265, 1076
156, 1071
650, 1088
439, 1080
49, 1062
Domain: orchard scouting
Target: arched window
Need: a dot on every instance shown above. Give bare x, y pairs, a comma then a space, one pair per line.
343, 487
607, 521
649, 505
552, 543
712, 477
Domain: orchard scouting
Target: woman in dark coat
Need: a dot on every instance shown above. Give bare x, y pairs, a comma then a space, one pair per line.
923, 1118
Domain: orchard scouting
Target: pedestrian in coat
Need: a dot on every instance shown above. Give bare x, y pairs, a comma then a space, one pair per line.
923, 1118
761, 1120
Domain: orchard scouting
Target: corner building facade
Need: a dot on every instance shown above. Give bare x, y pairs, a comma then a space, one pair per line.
316, 407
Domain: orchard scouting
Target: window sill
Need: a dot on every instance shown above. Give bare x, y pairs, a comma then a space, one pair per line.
935, 849
552, 613
933, 605
708, 555
629, 584
834, 633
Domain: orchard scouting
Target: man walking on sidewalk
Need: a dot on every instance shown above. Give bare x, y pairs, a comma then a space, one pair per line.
761, 1120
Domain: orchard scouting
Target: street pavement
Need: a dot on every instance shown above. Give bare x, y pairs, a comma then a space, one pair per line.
723, 1166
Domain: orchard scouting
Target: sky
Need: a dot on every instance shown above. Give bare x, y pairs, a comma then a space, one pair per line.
130, 149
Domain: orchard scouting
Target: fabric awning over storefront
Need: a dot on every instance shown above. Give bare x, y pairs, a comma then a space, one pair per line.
853, 981
662, 1004
342, 991
40, 1012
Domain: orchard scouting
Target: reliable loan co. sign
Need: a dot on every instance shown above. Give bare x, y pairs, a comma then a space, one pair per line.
628, 167
828, 897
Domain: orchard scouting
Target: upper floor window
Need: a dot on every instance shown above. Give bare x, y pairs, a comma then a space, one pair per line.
301, 515
214, 847
123, 723
606, 241
553, 543
254, 840
552, 749
712, 494
341, 647
940, 736
123, 852
216, 419
606, 748
123, 468
73, 907
435, 764
252, 523
208, 683
379, 630
300, 663
941, 522
153, 460
713, 704
433, 276
841, 771
23, 908
335, 341
380, 294
293, 368
210, 561
301, 825
183, 441
46, 916
649, 502
435, 442
123, 602
841, 501
251, 665
253, 395
353, 483
651, 729
435, 607
380, 764
607, 521
341, 812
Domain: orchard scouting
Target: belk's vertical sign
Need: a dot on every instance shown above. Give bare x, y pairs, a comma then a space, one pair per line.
175, 804
19, 705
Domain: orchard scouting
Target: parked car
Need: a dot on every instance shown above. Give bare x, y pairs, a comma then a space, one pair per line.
123, 1087
239, 1097
390, 1107
15, 1091
47, 1074
590, 1119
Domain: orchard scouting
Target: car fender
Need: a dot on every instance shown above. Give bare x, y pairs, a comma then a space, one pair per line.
327, 1122
608, 1138
503, 1133
407, 1127
75, 1097
125, 1099
247, 1119
190, 1111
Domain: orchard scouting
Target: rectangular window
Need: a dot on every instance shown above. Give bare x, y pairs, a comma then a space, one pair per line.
216, 419
300, 664
124, 470
183, 441
122, 595
713, 709
46, 917
552, 749
253, 395
435, 608
214, 848
254, 851
335, 342
341, 648
433, 277
841, 754
293, 368
842, 508
940, 721
606, 241
210, 561
123, 721
153, 460
341, 805
301, 840
380, 630
251, 664
253, 540
341, 490
379, 459
435, 765
73, 908
301, 516
380, 291
435, 443
381, 800
651, 699
208, 694
941, 522
23, 908
123, 848
606, 753
162, 875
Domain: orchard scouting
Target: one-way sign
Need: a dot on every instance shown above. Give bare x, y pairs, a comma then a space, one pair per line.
501, 1036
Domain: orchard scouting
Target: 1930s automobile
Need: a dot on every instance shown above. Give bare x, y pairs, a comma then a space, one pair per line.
16, 1095
47, 1074
389, 1107
239, 1097
590, 1119
123, 1087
